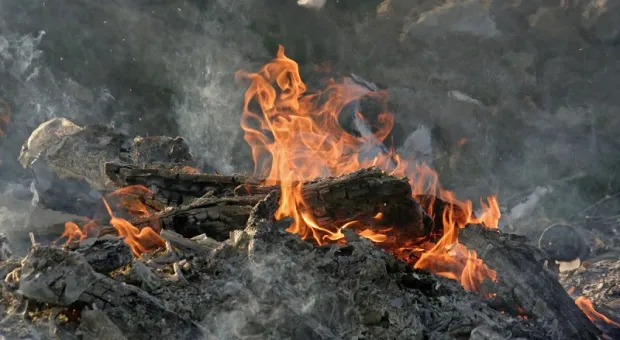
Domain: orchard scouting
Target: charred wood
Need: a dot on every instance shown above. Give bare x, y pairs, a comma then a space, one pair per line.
173, 186
333, 201
180, 242
62, 278
105, 254
68, 160
525, 285
215, 217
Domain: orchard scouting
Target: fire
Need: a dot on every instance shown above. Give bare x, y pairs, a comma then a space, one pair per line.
139, 240
74, 232
588, 308
296, 136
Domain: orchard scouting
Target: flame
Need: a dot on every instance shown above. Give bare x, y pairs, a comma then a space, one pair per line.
190, 170
295, 136
588, 309
74, 232
139, 240
132, 200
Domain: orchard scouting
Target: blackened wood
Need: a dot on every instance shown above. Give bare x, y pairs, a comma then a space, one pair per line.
75, 152
173, 186
333, 201
361, 196
63, 278
524, 282
214, 216
105, 254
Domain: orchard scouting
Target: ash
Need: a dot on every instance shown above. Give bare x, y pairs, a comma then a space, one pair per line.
262, 283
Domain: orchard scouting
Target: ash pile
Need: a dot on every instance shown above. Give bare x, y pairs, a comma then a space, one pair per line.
262, 283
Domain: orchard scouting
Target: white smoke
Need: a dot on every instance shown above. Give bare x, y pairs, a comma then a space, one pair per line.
315, 4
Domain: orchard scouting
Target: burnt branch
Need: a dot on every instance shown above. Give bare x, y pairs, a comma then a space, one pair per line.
524, 282
333, 201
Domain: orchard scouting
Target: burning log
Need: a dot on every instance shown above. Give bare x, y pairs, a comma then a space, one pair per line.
62, 278
213, 216
524, 285
333, 201
74, 152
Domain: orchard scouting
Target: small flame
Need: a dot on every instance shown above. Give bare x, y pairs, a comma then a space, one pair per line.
139, 240
296, 136
588, 309
132, 200
74, 232
190, 170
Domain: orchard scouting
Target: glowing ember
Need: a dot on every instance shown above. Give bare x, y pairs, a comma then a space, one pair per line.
588, 308
295, 136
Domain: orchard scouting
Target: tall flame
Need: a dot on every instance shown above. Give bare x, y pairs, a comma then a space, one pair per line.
296, 136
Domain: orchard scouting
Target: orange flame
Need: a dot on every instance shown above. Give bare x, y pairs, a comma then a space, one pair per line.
132, 201
190, 170
74, 232
588, 309
139, 240
296, 136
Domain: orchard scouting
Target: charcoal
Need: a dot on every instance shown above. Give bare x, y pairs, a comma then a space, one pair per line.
96, 325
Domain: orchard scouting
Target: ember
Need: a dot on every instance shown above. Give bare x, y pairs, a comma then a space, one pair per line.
295, 137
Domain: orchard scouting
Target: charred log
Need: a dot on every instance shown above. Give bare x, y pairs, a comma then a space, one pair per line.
333, 201
64, 151
173, 186
63, 278
525, 285
105, 254
215, 217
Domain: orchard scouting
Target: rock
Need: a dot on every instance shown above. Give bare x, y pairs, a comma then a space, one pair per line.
562, 243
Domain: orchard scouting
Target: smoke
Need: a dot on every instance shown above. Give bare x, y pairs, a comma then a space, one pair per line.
146, 68
512, 95
315, 4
